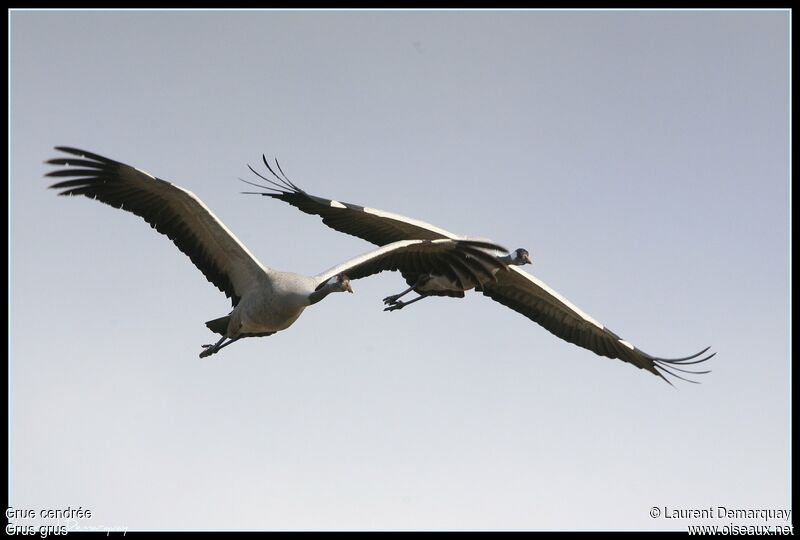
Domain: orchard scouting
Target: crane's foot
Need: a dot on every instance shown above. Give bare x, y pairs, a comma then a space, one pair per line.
208, 351
215, 348
392, 299
396, 305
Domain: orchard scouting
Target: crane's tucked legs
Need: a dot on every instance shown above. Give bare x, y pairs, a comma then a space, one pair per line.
400, 305
211, 349
395, 297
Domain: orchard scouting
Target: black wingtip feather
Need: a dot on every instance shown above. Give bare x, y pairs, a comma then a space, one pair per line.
83, 154
287, 178
670, 365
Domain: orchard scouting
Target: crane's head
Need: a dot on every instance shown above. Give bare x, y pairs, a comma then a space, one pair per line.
343, 283
520, 257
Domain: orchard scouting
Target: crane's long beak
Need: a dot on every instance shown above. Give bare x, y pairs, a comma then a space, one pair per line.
528, 259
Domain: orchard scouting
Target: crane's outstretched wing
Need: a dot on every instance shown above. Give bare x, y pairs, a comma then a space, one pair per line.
375, 226
460, 260
170, 209
531, 297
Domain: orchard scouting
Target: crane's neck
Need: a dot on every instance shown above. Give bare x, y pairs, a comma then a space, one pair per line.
331, 286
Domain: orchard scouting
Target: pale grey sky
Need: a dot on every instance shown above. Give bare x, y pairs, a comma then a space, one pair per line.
641, 157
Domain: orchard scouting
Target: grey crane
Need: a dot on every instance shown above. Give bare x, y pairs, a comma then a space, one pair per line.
264, 300
513, 288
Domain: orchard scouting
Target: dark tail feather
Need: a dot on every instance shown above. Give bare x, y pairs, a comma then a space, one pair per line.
219, 326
